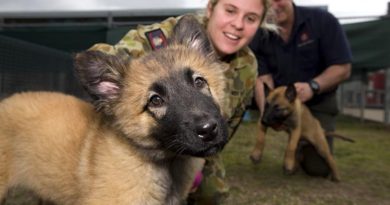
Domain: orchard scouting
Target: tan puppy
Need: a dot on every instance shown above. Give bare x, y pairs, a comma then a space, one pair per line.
155, 115
284, 111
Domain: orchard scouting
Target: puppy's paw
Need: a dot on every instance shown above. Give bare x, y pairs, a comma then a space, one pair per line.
335, 179
287, 171
255, 159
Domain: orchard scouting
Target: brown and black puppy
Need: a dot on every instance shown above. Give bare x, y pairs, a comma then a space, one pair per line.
152, 116
285, 112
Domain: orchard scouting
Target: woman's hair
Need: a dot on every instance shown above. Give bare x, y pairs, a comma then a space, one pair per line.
267, 17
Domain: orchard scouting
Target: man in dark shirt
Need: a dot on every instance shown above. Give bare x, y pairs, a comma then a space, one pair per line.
310, 50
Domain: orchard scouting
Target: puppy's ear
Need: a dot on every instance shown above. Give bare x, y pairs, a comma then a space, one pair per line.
266, 89
190, 33
291, 93
101, 75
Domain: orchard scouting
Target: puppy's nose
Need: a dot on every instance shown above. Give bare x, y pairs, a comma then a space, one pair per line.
207, 130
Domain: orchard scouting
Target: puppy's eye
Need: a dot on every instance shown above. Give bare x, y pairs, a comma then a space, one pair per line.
278, 109
281, 110
200, 82
156, 101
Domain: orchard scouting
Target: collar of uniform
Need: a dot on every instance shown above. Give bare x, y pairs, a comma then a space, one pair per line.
299, 18
236, 60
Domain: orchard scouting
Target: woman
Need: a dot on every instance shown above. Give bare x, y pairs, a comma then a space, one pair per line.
231, 25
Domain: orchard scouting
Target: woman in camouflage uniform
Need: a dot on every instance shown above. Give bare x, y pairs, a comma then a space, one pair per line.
230, 24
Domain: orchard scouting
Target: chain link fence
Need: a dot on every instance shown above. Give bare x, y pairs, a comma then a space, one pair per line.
26, 66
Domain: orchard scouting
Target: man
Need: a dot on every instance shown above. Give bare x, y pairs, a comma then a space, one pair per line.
310, 50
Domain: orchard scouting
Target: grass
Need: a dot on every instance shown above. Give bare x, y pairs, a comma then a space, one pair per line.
364, 168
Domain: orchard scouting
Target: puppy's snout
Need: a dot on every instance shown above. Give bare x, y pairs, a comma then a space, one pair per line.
207, 130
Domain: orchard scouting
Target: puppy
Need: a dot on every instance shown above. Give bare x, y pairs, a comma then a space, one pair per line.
152, 117
284, 112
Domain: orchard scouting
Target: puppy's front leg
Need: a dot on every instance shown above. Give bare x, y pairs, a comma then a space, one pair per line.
259, 146
289, 159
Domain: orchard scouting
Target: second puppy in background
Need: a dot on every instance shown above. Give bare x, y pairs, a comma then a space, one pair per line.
285, 112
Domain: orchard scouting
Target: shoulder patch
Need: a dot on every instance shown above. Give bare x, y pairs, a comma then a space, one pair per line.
156, 39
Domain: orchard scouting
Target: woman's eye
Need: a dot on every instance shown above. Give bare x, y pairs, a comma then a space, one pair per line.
156, 101
200, 82
251, 19
230, 10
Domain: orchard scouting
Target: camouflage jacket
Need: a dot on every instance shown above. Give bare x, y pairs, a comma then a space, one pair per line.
241, 67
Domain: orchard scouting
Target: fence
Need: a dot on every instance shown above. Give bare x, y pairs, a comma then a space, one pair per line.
25, 66
358, 99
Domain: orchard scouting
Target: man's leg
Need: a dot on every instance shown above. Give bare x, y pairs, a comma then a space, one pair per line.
311, 162
328, 123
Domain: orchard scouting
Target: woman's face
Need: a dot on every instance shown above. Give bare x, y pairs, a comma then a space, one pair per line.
233, 23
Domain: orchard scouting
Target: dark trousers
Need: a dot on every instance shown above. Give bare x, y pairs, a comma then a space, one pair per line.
310, 161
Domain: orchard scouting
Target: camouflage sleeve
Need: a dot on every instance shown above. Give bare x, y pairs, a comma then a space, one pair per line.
242, 88
251, 79
135, 43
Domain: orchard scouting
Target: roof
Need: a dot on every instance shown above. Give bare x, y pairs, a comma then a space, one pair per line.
370, 44
95, 8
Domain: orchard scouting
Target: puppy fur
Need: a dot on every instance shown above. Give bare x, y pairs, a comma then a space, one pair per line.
139, 143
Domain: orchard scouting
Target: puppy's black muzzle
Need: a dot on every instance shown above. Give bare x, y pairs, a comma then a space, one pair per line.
207, 129
272, 117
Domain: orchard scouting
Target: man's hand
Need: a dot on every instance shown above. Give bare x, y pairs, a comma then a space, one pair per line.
304, 91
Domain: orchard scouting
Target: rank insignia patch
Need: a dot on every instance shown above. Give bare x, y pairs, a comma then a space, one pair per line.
156, 39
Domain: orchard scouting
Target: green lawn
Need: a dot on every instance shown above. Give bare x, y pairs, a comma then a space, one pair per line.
364, 167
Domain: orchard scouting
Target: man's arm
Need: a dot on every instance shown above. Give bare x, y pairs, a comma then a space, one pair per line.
327, 80
336, 53
333, 76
